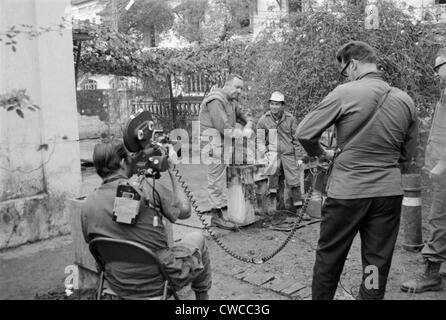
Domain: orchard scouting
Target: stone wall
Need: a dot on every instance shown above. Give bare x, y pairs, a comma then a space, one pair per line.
39, 162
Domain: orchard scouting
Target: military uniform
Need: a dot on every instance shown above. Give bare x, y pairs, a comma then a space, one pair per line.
219, 114
435, 248
288, 147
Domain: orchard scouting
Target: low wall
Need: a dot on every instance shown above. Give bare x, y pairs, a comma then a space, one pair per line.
92, 127
31, 219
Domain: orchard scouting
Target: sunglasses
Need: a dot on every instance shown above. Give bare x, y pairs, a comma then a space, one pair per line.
437, 68
343, 72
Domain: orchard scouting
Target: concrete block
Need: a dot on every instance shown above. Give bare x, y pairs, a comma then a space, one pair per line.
259, 278
292, 289
278, 284
304, 294
82, 255
241, 275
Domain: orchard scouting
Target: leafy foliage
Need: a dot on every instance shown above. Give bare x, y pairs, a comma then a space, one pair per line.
110, 52
206, 21
295, 56
145, 17
93, 102
302, 64
191, 14
9, 37
299, 59
18, 101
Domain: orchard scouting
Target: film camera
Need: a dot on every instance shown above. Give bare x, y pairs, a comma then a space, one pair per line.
147, 145
149, 157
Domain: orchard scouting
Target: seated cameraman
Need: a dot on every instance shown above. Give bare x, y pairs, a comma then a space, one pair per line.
187, 262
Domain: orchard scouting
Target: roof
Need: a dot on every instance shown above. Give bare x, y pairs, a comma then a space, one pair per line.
76, 2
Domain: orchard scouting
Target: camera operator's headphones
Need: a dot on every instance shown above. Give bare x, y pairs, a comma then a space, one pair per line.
138, 131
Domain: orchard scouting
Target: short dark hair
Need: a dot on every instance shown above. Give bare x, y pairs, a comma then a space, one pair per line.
357, 50
107, 156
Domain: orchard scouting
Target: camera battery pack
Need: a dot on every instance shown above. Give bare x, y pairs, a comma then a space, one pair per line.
127, 204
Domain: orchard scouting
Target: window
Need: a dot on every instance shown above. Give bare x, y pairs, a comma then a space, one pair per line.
122, 83
90, 85
440, 1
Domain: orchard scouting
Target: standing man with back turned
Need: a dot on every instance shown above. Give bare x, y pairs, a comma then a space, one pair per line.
364, 190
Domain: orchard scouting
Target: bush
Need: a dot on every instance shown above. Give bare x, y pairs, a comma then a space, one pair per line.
93, 103
303, 66
299, 59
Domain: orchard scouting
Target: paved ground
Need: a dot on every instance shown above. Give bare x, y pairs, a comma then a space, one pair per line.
39, 268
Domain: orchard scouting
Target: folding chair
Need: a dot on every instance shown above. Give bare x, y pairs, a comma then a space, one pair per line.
106, 250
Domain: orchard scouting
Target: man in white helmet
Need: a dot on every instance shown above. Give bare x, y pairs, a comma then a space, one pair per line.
289, 150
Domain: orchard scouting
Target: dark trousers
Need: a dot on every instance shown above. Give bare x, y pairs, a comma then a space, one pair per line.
377, 220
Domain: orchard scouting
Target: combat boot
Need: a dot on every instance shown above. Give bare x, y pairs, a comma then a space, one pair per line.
217, 220
201, 295
430, 280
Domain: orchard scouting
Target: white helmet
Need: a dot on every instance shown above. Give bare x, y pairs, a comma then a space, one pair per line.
277, 96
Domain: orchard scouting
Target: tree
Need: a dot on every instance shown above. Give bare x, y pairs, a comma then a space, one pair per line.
212, 20
299, 59
191, 14
240, 16
147, 17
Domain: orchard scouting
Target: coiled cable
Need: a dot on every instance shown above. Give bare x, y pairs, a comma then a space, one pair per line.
219, 241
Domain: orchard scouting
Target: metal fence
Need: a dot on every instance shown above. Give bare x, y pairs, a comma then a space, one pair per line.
185, 108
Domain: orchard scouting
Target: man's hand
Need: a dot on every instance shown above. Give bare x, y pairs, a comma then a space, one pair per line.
237, 133
327, 155
171, 164
249, 125
248, 132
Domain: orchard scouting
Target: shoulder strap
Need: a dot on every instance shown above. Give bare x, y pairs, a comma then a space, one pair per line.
361, 128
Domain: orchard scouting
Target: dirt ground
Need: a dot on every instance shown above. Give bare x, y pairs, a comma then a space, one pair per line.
36, 271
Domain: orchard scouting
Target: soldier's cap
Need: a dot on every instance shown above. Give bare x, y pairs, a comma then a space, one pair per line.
441, 59
277, 96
